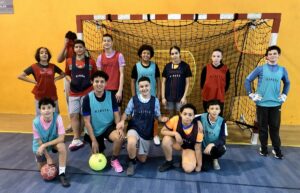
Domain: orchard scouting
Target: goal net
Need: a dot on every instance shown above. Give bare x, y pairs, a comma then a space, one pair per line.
242, 37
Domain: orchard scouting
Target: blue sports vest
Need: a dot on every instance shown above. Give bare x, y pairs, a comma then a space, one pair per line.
143, 117
45, 135
269, 88
147, 72
189, 140
211, 132
80, 77
102, 114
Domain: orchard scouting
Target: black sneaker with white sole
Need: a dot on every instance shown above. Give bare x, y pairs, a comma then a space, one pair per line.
263, 151
277, 154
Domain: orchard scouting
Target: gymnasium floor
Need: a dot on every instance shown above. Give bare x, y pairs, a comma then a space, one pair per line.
243, 170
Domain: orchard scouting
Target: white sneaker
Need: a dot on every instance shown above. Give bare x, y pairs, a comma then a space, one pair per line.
216, 164
156, 140
76, 144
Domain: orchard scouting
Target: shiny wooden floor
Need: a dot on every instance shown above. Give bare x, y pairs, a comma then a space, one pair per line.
16, 123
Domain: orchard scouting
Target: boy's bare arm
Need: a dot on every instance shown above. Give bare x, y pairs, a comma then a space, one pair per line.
24, 77
61, 76
198, 157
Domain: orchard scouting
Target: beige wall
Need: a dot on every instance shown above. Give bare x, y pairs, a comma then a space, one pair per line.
43, 23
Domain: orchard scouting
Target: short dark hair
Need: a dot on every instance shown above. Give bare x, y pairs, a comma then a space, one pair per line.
46, 101
108, 35
79, 42
146, 47
188, 106
71, 35
218, 50
174, 47
213, 102
273, 48
37, 54
99, 73
144, 78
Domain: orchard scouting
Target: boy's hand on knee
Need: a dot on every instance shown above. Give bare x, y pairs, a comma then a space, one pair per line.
178, 138
121, 133
208, 148
120, 125
41, 149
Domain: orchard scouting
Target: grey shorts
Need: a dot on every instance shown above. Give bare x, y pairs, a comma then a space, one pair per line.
173, 105
37, 110
142, 144
75, 104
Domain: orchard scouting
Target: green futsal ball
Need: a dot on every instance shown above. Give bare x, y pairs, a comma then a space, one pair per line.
97, 161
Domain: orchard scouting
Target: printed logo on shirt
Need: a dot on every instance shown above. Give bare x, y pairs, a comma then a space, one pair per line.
101, 110
80, 76
144, 111
174, 75
210, 133
46, 71
270, 79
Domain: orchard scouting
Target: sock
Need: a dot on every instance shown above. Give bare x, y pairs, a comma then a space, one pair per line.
62, 170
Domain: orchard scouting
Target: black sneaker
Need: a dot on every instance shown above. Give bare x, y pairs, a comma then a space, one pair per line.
63, 180
166, 166
263, 151
277, 154
131, 168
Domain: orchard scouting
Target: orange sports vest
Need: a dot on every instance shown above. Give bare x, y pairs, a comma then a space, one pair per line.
214, 86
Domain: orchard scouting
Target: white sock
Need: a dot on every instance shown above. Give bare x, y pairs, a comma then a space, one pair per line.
62, 170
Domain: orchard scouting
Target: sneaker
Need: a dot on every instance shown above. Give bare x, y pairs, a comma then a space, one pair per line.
216, 164
116, 165
130, 169
63, 180
277, 154
76, 144
156, 140
166, 166
263, 151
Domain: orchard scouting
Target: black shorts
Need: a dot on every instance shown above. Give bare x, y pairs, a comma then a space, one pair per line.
100, 138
